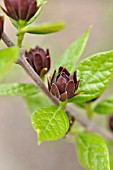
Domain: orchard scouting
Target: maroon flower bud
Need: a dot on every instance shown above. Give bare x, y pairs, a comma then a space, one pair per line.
111, 122
64, 85
20, 9
1, 25
39, 60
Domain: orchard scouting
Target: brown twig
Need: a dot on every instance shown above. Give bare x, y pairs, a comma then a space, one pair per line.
26, 66
6, 40
90, 126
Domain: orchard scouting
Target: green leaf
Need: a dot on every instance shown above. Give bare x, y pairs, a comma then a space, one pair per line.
92, 152
95, 74
7, 59
105, 107
51, 123
111, 161
18, 89
36, 101
45, 28
73, 52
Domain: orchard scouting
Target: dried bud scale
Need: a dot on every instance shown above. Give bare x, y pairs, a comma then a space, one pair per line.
20, 9
1, 25
64, 85
39, 60
111, 122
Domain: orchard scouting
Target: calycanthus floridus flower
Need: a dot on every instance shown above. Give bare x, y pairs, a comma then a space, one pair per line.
64, 85
20, 9
39, 60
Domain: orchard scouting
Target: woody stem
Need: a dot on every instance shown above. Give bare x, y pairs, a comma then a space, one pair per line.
90, 126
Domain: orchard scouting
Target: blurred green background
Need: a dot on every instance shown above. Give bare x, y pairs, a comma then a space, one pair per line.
18, 140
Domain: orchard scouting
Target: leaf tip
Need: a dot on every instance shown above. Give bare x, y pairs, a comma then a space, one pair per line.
61, 24
89, 28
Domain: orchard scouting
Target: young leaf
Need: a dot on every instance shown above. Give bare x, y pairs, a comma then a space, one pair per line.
39, 2
36, 101
105, 107
92, 152
73, 53
7, 59
51, 123
18, 89
45, 28
95, 74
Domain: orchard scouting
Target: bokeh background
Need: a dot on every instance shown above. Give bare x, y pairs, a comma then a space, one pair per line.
18, 140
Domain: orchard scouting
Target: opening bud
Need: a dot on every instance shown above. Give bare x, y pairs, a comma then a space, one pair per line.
64, 85
39, 60
20, 9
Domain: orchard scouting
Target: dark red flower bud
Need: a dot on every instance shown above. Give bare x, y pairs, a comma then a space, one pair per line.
1, 25
39, 60
111, 122
20, 9
64, 85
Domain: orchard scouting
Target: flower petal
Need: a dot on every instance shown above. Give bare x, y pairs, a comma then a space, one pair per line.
10, 10
30, 62
38, 63
54, 90
48, 82
70, 89
32, 10
23, 9
15, 5
60, 69
66, 72
1, 25
53, 79
48, 63
61, 84
42, 53
29, 57
47, 52
75, 77
63, 97
77, 84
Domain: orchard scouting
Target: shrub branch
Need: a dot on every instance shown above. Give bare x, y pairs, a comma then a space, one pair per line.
89, 125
